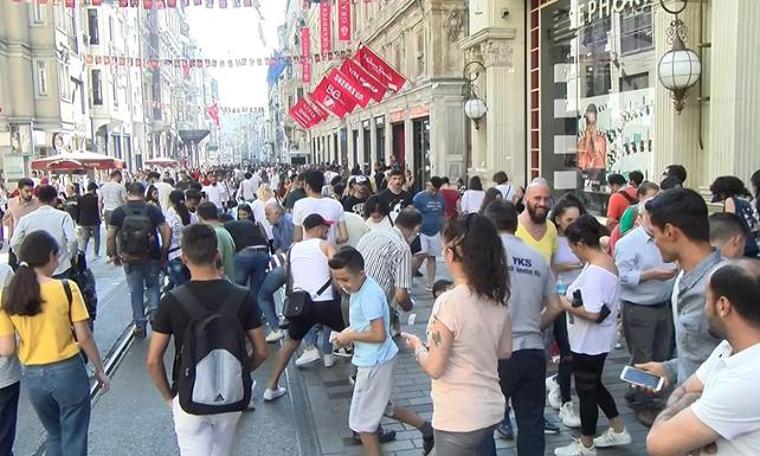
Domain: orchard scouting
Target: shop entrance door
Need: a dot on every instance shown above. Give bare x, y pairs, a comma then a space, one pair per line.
399, 143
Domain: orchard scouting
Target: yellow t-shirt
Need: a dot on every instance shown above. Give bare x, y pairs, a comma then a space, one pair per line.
46, 337
546, 246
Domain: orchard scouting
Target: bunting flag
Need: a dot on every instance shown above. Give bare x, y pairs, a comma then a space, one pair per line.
375, 88
213, 113
349, 88
379, 68
344, 20
325, 27
160, 4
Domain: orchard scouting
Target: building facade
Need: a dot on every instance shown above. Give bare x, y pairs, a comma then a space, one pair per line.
573, 92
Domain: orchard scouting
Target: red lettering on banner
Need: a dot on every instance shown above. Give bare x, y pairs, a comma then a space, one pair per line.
320, 112
379, 68
344, 20
375, 88
350, 87
325, 26
306, 71
305, 41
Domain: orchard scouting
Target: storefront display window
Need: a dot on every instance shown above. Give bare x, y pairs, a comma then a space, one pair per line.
592, 76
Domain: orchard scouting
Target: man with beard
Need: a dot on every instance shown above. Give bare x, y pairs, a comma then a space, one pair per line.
359, 191
395, 198
532, 226
18, 207
717, 406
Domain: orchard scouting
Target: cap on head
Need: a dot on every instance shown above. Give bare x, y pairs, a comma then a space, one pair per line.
315, 220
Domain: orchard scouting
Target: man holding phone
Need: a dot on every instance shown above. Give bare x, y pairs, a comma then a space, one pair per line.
718, 406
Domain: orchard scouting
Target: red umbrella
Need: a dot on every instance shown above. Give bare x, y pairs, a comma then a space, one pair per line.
89, 160
65, 165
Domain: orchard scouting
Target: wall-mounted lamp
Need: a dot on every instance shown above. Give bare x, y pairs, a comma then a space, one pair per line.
679, 68
474, 108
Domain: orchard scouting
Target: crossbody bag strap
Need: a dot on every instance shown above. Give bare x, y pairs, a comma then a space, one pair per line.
325, 286
288, 274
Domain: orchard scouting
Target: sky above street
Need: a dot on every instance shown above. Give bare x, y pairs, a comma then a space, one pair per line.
234, 33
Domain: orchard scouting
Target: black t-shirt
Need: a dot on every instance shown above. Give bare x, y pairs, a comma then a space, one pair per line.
245, 234
89, 215
72, 206
354, 204
294, 196
172, 318
154, 213
393, 202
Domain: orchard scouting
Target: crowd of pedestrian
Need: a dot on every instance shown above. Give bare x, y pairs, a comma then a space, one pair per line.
321, 261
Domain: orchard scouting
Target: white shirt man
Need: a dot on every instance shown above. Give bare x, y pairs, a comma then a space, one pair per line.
58, 224
164, 189
217, 193
248, 187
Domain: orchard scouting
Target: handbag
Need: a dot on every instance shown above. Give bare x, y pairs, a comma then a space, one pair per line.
297, 302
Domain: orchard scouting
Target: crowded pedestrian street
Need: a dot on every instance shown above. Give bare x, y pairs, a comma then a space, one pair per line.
379, 227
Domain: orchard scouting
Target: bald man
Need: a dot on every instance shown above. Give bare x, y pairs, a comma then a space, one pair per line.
533, 228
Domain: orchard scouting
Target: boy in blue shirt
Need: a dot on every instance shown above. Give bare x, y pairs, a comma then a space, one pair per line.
432, 206
374, 353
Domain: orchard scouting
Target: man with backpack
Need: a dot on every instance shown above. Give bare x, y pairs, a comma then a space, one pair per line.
621, 195
210, 320
137, 225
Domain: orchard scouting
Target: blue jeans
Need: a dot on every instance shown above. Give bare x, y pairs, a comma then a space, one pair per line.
272, 282
142, 277
178, 273
251, 264
312, 336
522, 379
60, 394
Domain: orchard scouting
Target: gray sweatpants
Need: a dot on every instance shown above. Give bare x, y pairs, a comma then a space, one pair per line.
648, 331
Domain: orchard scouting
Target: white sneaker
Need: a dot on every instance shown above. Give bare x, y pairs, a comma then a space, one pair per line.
612, 438
329, 360
554, 396
309, 355
575, 449
272, 394
275, 336
568, 416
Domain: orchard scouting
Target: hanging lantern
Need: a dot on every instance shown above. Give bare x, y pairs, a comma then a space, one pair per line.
680, 67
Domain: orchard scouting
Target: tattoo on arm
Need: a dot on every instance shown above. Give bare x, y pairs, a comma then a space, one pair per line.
436, 338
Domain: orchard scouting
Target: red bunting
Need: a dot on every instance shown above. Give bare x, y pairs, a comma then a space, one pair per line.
148, 4
325, 27
349, 87
97, 2
344, 20
379, 68
375, 88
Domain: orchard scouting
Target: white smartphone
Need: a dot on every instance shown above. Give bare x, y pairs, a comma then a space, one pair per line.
642, 378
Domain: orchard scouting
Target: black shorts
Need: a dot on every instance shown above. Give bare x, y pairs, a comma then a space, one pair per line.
416, 245
327, 313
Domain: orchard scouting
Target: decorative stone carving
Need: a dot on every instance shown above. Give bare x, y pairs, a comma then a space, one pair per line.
454, 24
497, 53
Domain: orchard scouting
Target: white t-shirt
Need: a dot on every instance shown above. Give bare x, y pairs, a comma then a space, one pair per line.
164, 189
330, 209
565, 254
472, 200
507, 191
598, 286
259, 214
356, 228
383, 224
729, 402
217, 194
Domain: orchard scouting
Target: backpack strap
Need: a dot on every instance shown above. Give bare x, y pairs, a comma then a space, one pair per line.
288, 273
631, 200
188, 301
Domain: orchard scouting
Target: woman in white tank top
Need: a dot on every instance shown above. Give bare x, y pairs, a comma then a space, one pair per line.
310, 270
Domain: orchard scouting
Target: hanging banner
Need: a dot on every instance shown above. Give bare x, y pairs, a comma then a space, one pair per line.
379, 68
375, 88
306, 71
325, 27
350, 88
305, 41
344, 20
310, 112
329, 96
320, 112
298, 114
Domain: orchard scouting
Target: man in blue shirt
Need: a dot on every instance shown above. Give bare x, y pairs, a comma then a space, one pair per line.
374, 353
432, 206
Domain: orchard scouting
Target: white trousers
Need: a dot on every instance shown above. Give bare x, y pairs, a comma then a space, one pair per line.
204, 435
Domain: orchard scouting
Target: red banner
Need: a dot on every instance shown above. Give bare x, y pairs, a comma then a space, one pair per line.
97, 2
305, 41
306, 71
375, 88
320, 112
148, 4
311, 113
379, 68
298, 114
329, 97
325, 26
350, 88
69, 3
344, 20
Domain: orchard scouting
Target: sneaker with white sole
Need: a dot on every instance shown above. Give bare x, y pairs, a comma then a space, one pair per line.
275, 336
272, 394
575, 449
329, 360
612, 438
554, 395
568, 416
309, 355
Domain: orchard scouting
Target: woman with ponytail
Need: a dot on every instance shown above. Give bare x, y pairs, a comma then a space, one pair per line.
178, 217
591, 303
40, 311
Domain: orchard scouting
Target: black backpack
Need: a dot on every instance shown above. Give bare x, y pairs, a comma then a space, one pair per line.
137, 234
214, 367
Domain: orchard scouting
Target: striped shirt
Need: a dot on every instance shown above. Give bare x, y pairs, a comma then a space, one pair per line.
387, 259
112, 195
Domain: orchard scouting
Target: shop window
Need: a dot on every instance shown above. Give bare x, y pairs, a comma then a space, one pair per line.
636, 30
92, 26
42, 78
634, 82
597, 79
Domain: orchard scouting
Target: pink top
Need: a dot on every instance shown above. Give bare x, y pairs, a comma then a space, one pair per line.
467, 397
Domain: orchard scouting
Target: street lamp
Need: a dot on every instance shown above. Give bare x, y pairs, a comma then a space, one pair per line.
474, 108
680, 67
